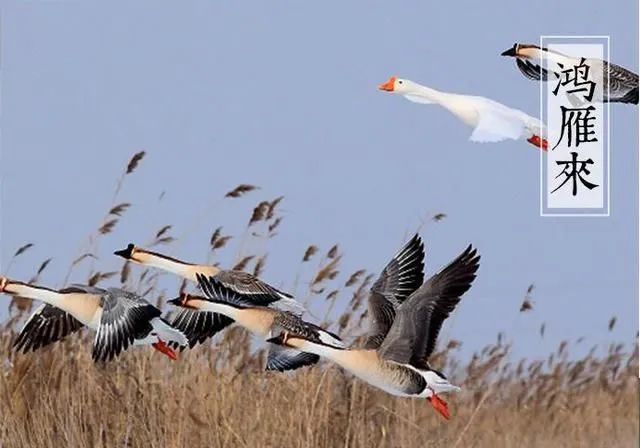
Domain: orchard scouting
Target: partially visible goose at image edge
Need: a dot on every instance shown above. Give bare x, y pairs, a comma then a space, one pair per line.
619, 84
204, 325
491, 121
120, 318
403, 336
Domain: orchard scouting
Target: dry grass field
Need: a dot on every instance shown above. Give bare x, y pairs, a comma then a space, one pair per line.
217, 395
220, 397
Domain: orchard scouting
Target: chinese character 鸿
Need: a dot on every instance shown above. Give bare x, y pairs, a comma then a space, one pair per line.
578, 76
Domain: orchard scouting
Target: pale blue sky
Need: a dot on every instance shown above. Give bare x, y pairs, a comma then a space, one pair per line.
283, 95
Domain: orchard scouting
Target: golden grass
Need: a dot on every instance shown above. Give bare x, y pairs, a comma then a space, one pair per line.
219, 396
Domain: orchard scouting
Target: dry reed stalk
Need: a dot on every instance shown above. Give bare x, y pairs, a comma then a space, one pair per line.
58, 396
240, 190
21, 250
310, 252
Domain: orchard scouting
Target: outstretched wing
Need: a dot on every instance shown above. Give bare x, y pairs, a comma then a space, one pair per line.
125, 318
414, 332
198, 326
623, 84
46, 325
399, 279
253, 290
281, 359
215, 289
497, 123
531, 70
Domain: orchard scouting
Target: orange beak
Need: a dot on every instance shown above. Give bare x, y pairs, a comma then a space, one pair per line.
440, 406
162, 347
389, 85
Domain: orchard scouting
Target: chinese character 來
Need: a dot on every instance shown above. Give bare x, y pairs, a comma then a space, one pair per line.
575, 170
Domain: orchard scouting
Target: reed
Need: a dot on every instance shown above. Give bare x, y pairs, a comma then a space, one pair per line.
218, 395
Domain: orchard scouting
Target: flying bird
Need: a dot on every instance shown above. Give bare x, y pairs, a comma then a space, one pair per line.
257, 317
402, 275
491, 121
201, 325
403, 333
121, 319
619, 84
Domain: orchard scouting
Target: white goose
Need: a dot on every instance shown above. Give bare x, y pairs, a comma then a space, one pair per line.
491, 121
119, 317
619, 84
402, 336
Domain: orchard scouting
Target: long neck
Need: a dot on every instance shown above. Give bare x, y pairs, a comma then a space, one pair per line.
83, 306
220, 308
175, 266
35, 293
325, 351
433, 95
553, 56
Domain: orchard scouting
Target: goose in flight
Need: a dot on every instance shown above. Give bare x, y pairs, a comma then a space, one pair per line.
120, 318
402, 336
402, 275
256, 316
491, 121
619, 84
201, 325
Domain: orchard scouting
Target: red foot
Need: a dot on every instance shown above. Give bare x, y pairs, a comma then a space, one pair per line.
165, 349
440, 406
538, 142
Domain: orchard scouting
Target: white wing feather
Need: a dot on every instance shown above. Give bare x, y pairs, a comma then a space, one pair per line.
290, 305
495, 125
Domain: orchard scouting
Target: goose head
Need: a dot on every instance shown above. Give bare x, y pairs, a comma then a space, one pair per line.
140, 255
128, 253
398, 85
4, 281
511, 52
524, 51
189, 301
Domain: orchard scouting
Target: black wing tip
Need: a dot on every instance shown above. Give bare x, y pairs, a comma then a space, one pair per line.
631, 97
465, 267
287, 364
199, 326
411, 256
416, 241
208, 283
470, 255
45, 327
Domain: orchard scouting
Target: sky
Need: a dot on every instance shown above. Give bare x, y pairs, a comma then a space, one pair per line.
283, 95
